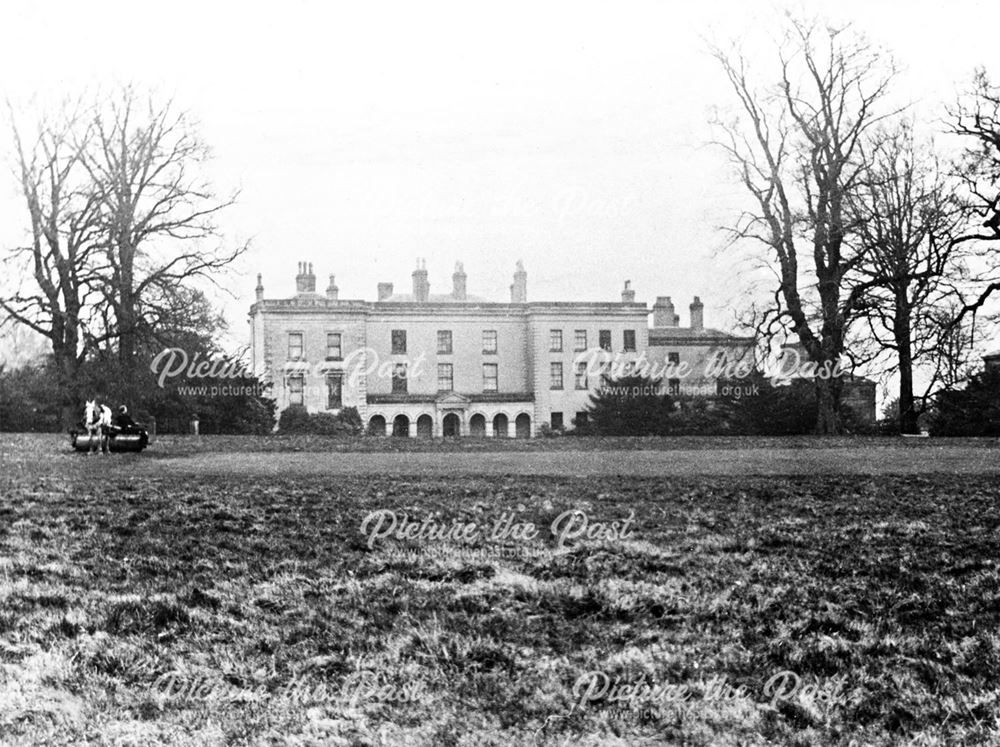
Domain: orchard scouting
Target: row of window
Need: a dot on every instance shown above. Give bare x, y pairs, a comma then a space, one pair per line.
446, 378
334, 389
296, 346
580, 340
446, 381
334, 342
444, 342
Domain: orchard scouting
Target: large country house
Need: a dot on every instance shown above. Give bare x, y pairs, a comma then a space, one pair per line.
423, 364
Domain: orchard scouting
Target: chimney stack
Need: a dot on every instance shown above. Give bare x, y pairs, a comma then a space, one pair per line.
628, 295
259, 288
332, 290
458, 283
519, 290
384, 291
697, 314
305, 281
663, 313
421, 288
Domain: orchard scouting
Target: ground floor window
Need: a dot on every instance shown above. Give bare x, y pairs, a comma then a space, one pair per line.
334, 392
296, 390
557, 420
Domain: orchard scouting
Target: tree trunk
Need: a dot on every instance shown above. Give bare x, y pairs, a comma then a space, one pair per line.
127, 322
828, 420
901, 332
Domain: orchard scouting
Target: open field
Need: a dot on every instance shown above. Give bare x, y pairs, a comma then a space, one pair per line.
177, 597
312, 455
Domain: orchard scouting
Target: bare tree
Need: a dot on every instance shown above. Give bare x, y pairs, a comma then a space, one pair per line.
906, 215
157, 214
54, 267
797, 149
976, 118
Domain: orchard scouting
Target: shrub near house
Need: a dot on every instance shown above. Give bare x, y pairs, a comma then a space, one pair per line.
629, 406
973, 411
297, 420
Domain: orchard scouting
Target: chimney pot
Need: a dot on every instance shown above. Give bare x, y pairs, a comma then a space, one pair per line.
663, 313
421, 288
628, 295
697, 314
458, 286
519, 289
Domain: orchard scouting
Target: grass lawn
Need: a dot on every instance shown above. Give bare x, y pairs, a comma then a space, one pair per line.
145, 606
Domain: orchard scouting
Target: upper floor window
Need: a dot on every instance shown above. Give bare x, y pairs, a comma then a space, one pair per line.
489, 340
581, 375
294, 345
333, 347
629, 340
604, 339
296, 390
673, 358
580, 340
334, 392
444, 342
399, 378
446, 377
490, 377
555, 376
399, 342
555, 340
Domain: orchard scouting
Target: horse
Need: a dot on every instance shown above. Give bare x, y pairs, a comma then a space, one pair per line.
97, 420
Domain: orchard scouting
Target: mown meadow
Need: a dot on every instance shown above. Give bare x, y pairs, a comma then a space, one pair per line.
222, 609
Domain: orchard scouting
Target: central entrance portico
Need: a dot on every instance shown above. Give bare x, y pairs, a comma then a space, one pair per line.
451, 409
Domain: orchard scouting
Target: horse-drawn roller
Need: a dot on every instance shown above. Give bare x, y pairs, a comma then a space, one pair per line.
101, 433
116, 442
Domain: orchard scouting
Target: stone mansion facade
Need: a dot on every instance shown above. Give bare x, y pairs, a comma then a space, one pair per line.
422, 364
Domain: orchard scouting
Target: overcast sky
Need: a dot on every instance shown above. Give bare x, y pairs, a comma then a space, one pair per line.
570, 135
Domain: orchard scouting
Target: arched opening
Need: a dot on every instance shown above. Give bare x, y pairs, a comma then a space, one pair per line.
522, 426
450, 425
477, 426
401, 426
500, 426
425, 426
376, 426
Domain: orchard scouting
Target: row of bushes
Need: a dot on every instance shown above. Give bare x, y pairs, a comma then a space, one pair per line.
765, 410
32, 400
297, 420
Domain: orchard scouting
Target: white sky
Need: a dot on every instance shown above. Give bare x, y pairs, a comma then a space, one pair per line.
570, 135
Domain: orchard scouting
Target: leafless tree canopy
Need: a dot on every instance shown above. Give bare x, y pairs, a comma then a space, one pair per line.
907, 216
157, 214
122, 222
797, 147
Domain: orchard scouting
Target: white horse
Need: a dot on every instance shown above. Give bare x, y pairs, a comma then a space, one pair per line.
97, 420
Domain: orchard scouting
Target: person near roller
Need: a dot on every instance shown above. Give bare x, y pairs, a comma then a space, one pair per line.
124, 422
125, 425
